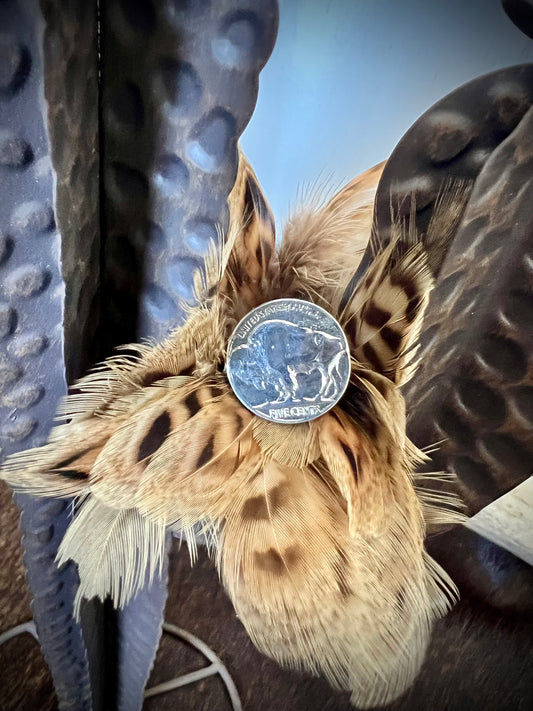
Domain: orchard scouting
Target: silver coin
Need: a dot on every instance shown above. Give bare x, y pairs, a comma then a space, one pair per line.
288, 361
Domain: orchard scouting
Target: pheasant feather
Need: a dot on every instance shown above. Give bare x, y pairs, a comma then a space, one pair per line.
317, 528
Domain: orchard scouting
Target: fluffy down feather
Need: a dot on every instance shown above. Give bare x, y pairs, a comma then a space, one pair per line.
317, 528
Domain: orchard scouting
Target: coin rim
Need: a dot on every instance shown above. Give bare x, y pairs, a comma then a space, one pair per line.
230, 377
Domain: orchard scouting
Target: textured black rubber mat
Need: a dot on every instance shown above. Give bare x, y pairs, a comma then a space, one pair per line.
475, 387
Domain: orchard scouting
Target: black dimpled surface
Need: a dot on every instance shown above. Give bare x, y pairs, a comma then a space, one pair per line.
521, 13
473, 391
476, 368
451, 141
172, 114
32, 326
179, 84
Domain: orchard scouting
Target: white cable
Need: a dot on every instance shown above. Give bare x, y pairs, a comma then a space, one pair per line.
216, 667
28, 627
181, 681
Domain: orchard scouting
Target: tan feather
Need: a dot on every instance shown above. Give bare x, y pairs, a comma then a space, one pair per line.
122, 462
251, 263
445, 218
384, 315
317, 528
322, 247
361, 476
118, 551
190, 473
295, 445
314, 597
62, 467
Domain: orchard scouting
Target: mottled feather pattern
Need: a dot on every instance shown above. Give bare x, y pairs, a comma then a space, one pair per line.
317, 528
323, 246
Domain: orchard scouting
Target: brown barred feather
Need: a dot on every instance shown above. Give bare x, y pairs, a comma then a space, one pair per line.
61, 468
360, 475
193, 469
447, 212
315, 597
317, 528
251, 264
384, 315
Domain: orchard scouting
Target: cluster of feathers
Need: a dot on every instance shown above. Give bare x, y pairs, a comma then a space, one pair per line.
317, 529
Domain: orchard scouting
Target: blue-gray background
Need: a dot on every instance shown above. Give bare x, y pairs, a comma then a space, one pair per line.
348, 77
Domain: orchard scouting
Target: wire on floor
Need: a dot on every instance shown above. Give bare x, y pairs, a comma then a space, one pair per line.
216, 666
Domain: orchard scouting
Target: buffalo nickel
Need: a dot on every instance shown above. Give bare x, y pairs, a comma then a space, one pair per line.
288, 361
